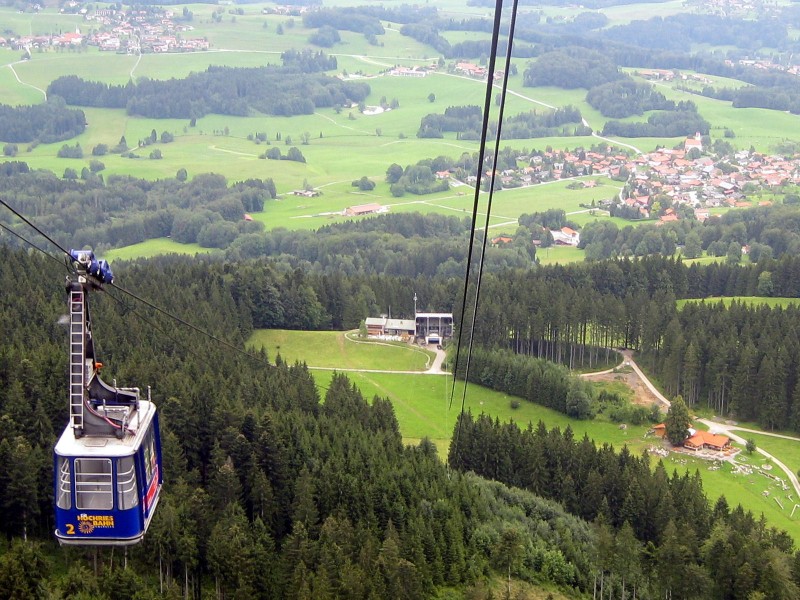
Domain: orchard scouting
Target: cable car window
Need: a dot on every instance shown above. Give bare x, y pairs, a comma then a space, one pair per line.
126, 484
93, 489
149, 455
64, 499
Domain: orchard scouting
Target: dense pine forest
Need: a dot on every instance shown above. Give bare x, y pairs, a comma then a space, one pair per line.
265, 494
282, 91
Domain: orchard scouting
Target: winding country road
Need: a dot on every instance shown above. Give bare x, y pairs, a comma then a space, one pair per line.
722, 428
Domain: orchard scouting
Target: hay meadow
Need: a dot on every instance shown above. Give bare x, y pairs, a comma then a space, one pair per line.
428, 405
341, 146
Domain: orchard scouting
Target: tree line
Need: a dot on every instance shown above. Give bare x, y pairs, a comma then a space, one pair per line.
271, 90
46, 123
657, 534
346, 18
264, 491
468, 120
683, 121
771, 98
625, 98
765, 231
740, 361
125, 210
681, 31
571, 67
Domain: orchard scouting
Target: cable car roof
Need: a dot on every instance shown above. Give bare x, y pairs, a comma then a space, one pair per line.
69, 445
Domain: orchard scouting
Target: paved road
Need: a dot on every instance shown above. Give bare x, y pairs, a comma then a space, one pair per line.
729, 431
722, 428
14, 71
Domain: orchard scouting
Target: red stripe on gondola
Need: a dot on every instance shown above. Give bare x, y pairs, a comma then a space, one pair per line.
151, 491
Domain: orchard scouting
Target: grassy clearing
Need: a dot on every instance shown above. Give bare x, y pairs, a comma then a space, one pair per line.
152, 248
623, 14
749, 300
758, 127
559, 255
788, 451
423, 407
45, 22
336, 349
747, 490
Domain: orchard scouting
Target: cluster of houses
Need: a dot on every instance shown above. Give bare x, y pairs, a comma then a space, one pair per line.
761, 64
670, 75
132, 30
566, 236
767, 65
739, 8
462, 68
478, 72
704, 182
684, 175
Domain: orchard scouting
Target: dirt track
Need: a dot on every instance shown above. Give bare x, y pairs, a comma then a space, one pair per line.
642, 395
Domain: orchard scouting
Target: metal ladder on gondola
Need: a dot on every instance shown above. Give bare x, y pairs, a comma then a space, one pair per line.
77, 357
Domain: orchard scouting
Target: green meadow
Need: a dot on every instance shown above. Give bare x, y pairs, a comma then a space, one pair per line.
745, 489
622, 14
152, 248
342, 350
341, 147
787, 451
748, 300
428, 405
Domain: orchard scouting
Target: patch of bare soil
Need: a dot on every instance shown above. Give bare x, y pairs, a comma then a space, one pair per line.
641, 394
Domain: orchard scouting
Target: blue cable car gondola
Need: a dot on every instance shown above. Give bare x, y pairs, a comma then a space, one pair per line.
107, 471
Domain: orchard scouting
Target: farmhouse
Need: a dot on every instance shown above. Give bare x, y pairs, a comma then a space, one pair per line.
699, 440
565, 236
386, 326
306, 193
502, 240
365, 209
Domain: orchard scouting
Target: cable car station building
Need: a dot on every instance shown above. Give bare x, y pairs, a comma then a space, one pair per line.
433, 328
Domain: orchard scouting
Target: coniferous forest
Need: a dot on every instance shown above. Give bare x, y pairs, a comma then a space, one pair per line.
278, 489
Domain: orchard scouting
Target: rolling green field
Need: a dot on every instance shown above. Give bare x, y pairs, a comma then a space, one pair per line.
744, 489
428, 405
423, 409
787, 451
152, 248
749, 300
336, 349
344, 146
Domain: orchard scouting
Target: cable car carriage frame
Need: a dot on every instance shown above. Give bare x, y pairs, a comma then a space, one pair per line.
107, 462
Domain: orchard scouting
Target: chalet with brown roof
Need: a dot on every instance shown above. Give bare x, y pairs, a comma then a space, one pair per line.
364, 209
565, 237
502, 240
700, 440
669, 218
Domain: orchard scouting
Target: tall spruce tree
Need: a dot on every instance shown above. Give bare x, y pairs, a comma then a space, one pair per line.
677, 421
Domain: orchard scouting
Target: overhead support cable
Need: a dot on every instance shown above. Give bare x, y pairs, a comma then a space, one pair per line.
34, 227
491, 179
31, 244
131, 294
